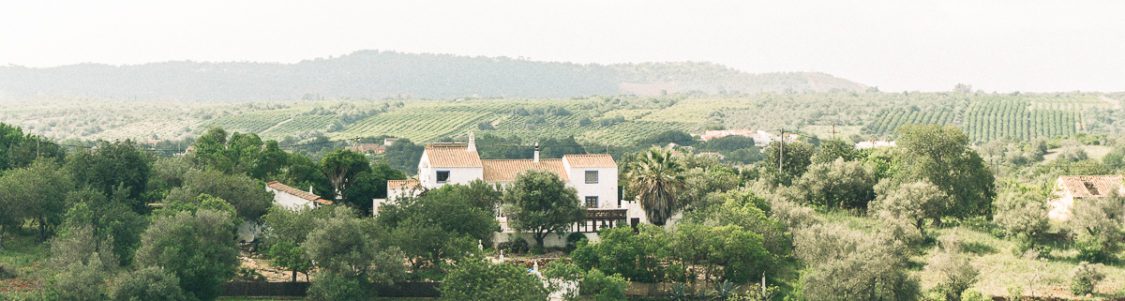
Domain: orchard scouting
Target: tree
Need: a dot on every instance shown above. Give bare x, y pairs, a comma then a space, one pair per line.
38, 192
954, 272
845, 264
404, 155
833, 149
285, 232
330, 286
150, 283
786, 162
726, 253
1096, 228
914, 202
637, 257
452, 224
540, 203
1085, 278
942, 156
1022, 214
604, 287
112, 165
343, 168
479, 280
248, 196
656, 178
79, 281
198, 248
234, 154
270, 162
347, 245
109, 221
18, 150
165, 174
836, 185
303, 172
370, 185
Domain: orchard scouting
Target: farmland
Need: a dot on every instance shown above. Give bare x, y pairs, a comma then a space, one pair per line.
619, 120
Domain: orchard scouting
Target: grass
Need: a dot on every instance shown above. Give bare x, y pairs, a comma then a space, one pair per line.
24, 257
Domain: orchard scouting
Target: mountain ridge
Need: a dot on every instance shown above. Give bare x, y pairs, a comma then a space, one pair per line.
386, 74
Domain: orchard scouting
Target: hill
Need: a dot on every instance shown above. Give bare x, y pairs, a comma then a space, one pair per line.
379, 75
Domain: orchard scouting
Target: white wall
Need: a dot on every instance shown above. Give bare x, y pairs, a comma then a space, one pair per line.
605, 189
459, 175
289, 201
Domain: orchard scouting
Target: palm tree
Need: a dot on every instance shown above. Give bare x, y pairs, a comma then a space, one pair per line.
656, 178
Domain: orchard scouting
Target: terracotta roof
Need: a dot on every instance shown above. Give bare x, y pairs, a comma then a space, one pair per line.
401, 184
590, 160
1091, 186
507, 170
452, 155
275, 185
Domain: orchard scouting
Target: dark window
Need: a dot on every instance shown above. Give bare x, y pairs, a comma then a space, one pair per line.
591, 202
442, 176
591, 177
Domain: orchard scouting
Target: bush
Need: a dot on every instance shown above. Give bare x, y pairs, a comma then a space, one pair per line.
973, 296
1085, 277
330, 286
517, 246
152, 283
572, 241
5, 273
474, 279
604, 287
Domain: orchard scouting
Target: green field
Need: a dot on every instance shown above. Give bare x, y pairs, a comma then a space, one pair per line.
613, 121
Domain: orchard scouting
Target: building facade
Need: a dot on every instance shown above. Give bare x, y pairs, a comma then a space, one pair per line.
593, 176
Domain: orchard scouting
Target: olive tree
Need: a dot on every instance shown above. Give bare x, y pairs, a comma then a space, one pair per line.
540, 203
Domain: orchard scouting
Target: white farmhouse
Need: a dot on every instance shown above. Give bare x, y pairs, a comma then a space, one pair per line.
593, 176
293, 198
1070, 189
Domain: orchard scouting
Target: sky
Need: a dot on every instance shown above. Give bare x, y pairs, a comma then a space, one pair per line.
896, 45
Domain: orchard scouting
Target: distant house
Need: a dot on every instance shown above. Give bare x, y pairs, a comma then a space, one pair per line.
368, 148
293, 198
593, 176
875, 144
1070, 189
761, 138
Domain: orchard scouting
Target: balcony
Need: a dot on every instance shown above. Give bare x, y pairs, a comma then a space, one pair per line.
597, 219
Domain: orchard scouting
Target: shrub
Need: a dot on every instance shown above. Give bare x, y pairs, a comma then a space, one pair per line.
1085, 277
573, 239
604, 287
331, 286
474, 279
973, 296
152, 283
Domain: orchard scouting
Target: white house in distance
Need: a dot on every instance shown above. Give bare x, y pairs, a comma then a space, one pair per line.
593, 176
1070, 189
293, 198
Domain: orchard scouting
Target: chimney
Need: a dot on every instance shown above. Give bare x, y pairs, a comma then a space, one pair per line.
310, 189
536, 158
472, 143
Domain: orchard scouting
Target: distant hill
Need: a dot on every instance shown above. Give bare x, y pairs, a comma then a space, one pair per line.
376, 74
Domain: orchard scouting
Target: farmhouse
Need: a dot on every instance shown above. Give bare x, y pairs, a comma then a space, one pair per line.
1070, 189
593, 176
294, 199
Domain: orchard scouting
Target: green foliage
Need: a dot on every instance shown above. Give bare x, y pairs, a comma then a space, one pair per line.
79, 281
836, 185
831, 150
112, 165
604, 287
480, 280
1085, 278
540, 203
875, 266
726, 252
330, 286
234, 154
1096, 228
150, 283
1022, 214
18, 150
351, 246
198, 248
404, 155
107, 219
449, 220
36, 192
248, 196
636, 257
912, 202
785, 163
955, 274
942, 156
656, 178
285, 232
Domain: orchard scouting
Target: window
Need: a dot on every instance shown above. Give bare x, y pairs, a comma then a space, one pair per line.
591, 177
591, 202
442, 176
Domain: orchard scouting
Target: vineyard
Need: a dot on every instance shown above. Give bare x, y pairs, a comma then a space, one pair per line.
1001, 117
611, 121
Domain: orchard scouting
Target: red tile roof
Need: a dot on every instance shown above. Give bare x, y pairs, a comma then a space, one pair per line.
507, 170
275, 185
590, 160
452, 155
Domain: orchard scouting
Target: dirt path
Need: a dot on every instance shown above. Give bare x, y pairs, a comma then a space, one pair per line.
276, 125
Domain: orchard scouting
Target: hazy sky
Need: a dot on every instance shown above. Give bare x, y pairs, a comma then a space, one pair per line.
894, 44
